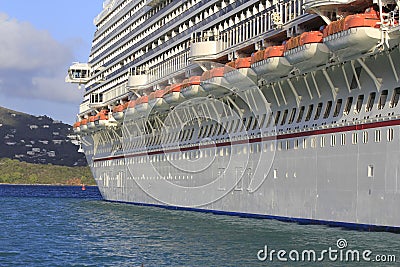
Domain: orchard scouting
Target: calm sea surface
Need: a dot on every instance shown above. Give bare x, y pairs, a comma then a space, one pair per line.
65, 226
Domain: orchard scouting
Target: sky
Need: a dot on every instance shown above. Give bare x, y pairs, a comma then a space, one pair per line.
39, 40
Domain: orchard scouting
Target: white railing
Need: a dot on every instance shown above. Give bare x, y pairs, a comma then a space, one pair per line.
169, 66
260, 24
117, 91
84, 107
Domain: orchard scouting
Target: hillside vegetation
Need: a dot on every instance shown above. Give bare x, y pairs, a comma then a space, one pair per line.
16, 172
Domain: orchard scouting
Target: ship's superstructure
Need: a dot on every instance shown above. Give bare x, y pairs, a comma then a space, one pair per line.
281, 109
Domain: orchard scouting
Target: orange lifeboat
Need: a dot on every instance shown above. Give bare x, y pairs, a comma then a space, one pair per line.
191, 88
241, 75
130, 109
101, 119
118, 111
76, 127
91, 124
273, 65
356, 34
173, 94
307, 50
84, 125
142, 104
156, 100
213, 82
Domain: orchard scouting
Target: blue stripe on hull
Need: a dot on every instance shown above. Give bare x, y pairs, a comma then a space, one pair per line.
301, 221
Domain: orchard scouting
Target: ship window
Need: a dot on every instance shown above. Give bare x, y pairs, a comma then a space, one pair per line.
365, 137
348, 105
359, 104
395, 97
313, 142
292, 116
322, 141
328, 109
370, 171
371, 101
285, 113
318, 112
343, 139
296, 144
354, 138
304, 143
309, 112
382, 99
301, 113
377, 136
280, 145
338, 107
333, 140
278, 114
390, 135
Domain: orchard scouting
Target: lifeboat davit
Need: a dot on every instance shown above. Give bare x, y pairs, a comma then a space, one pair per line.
157, 101
239, 73
307, 50
84, 125
213, 82
270, 64
118, 111
191, 88
91, 125
355, 34
102, 119
142, 104
173, 94
76, 127
130, 109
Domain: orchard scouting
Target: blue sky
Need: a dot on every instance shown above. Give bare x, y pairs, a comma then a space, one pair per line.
39, 39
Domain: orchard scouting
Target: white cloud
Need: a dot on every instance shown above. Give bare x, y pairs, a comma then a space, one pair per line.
33, 64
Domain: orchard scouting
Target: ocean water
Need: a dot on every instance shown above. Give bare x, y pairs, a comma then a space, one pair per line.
65, 226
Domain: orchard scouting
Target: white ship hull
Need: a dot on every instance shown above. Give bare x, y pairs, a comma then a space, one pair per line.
310, 137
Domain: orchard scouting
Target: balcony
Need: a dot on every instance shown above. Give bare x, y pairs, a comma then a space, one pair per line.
205, 46
329, 5
138, 81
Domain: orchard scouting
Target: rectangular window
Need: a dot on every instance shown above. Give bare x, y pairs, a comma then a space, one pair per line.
382, 99
354, 138
395, 97
343, 139
365, 137
292, 116
347, 107
338, 107
370, 171
309, 112
296, 144
328, 109
390, 135
377, 136
322, 144
285, 113
318, 112
333, 140
301, 113
359, 104
370, 103
304, 143
313, 142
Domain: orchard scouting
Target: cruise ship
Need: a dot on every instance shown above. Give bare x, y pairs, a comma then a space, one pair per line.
280, 109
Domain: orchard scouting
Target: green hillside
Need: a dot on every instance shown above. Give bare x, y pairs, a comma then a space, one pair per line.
16, 172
